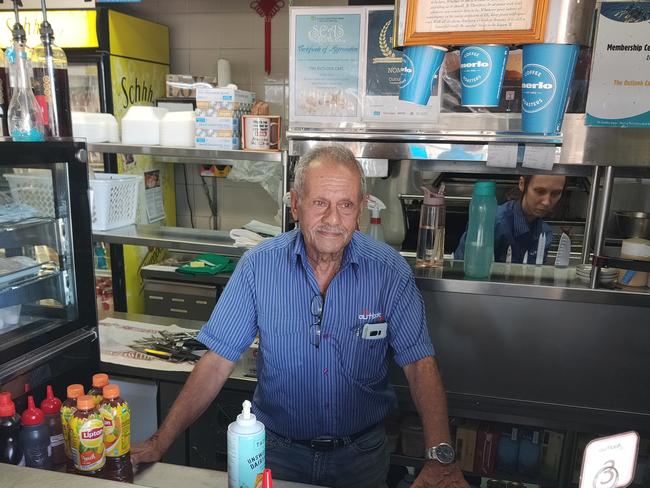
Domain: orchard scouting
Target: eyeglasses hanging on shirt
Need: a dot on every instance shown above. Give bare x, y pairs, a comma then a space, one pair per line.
317, 312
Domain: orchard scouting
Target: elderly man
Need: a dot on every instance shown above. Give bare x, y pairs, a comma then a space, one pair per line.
329, 304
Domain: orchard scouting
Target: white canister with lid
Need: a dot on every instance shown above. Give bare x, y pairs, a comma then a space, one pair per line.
637, 249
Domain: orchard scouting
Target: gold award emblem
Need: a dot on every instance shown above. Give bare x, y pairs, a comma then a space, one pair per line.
386, 47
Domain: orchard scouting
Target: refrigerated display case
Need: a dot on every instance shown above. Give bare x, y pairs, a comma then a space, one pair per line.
48, 321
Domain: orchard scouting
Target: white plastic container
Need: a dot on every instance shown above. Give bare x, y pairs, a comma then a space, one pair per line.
95, 127
115, 200
246, 449
141, 125
177, 129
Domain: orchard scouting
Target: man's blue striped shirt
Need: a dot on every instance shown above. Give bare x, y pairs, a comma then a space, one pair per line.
341, 387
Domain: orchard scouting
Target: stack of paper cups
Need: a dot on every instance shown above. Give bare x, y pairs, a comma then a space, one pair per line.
223, 72
420, 64
481, 74
545, 81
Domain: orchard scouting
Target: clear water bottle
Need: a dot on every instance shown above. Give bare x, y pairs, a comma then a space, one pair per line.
431, 234
479, 243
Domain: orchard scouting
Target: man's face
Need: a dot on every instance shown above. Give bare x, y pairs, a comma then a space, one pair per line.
329, 207
542, 194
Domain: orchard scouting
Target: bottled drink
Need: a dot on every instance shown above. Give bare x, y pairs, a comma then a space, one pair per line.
51, 407
4, 94
35, 437
431, 234
100, 380
68, 408
479, 243
10, 450
117, 435
51, 84
87, 433
25, 119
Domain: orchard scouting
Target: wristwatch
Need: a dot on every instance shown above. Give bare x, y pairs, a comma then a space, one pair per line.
443, 453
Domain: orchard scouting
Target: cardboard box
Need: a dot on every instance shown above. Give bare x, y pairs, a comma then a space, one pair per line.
485, 456
218, 123
186, 85
508, 450
203, 132
217, 142
530, 448
215, 95
466, 445
551, 454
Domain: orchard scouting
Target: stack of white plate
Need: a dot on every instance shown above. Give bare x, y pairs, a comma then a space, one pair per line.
607, 275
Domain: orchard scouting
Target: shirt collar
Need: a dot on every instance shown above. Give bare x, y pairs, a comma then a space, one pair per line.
521, 225
350, 253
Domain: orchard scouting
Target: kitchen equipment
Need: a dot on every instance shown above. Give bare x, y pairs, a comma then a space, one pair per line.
633, 224
95, 127
639, 250
141, 125
177, 129
563, 252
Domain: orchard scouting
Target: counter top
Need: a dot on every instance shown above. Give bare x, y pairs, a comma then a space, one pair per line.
158, 475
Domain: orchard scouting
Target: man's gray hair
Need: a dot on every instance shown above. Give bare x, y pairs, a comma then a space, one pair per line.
335, 153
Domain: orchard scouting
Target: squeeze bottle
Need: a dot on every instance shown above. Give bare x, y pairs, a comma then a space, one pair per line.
51, 407
246, 449
479, 242
375, 230
35, 437
10, 450
430, 249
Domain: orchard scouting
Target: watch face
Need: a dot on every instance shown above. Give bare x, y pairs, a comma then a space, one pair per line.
445, 453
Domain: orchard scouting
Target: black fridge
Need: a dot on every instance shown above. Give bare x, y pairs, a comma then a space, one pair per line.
48, 320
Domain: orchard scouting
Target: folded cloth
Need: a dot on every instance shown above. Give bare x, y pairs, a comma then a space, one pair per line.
246, 238
262, 228
210, 264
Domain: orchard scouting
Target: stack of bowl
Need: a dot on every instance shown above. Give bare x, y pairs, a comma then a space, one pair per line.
607, 275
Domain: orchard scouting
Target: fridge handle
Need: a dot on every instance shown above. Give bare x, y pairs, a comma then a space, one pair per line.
37, 357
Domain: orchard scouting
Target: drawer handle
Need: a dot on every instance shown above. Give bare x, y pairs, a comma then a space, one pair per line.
180, 300
201, 302
155, 297
178, 310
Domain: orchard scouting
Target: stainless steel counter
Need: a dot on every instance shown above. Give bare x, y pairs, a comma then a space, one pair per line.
158, 475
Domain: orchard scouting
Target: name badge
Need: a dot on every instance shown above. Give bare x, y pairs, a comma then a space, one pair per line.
374, 331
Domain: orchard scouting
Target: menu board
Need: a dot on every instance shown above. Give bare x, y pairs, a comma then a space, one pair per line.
619, 88
325, 69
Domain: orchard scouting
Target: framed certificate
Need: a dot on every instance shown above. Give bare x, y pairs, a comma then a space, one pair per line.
455, 22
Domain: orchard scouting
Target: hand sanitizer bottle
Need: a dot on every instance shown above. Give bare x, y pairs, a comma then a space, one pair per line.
375, 230
246, 449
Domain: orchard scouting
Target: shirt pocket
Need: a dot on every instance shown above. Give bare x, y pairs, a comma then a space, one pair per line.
362, 360
283, 342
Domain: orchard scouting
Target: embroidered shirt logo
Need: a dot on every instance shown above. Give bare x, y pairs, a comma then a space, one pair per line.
367, 315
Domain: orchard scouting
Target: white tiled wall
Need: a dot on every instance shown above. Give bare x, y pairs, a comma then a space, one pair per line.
202, 31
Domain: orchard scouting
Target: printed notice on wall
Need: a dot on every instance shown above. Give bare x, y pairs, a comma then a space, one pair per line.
473, 15
153, 196
326, 55
383, 75
619, 88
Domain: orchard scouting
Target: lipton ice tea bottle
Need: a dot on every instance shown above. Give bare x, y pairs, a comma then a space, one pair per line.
100, 380
68, 408
87, 432
117, 435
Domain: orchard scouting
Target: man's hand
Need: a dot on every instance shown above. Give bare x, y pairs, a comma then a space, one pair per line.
146, 452
436, 475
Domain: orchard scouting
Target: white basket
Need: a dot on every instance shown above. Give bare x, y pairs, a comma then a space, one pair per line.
32, 190
115, 201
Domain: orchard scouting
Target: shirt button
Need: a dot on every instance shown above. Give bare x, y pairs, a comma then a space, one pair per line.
325, 371
326, 336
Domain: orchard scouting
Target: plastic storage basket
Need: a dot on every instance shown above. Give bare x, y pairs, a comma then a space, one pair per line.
34, 190
115, 197
115, 201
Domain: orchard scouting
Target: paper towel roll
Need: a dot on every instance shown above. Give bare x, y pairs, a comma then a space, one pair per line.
223, 72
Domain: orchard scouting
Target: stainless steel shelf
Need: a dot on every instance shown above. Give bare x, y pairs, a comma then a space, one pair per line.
183, 239
188, 154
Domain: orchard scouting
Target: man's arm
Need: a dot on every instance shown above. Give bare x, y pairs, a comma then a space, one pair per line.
429, 397
200, 389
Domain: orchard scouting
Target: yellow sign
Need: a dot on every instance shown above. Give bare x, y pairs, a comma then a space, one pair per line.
72, 28
137, 38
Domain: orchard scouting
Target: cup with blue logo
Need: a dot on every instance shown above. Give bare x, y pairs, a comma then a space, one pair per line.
545, 81
481, 74
420, 64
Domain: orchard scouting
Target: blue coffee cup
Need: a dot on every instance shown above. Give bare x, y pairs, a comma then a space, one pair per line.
545, 81
419, 66
481, 74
